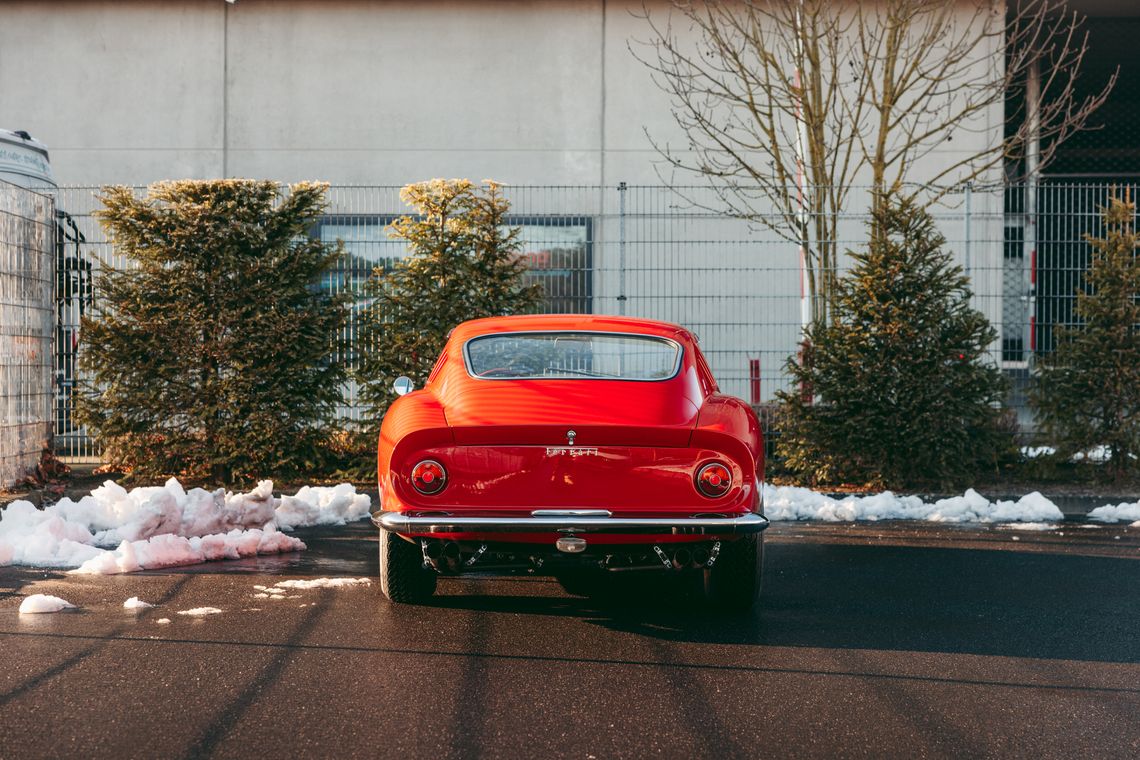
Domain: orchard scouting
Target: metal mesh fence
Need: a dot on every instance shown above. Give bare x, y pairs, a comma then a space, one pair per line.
652, 251
27, 221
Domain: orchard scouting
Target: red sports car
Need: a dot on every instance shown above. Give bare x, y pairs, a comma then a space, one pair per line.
570, 444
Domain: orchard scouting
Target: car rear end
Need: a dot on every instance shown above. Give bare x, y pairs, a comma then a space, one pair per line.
607, 452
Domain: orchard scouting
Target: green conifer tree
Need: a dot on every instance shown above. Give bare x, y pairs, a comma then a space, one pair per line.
902, 394
212, 357
463, 263
1087, 392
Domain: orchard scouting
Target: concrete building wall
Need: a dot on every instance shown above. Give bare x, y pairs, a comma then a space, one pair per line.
120, 92
348, 91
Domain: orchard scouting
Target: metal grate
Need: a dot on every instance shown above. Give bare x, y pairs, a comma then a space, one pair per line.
27, 221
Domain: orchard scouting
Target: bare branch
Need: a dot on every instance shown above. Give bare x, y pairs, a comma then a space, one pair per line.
785, 105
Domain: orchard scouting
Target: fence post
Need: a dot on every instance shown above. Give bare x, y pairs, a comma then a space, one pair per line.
969, 193
621, 248
1032, 178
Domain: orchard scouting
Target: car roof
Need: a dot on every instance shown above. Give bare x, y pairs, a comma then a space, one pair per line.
552, 322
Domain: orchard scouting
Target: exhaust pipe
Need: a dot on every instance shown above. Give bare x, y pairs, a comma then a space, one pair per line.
700, 556
442, 555
682, 558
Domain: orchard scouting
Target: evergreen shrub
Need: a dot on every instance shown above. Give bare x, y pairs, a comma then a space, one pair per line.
897, 391
1087, 392
463, 262
212, 358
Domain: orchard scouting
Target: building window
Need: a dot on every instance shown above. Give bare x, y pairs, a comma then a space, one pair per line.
558, 251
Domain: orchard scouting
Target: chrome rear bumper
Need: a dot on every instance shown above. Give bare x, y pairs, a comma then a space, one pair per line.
570, 521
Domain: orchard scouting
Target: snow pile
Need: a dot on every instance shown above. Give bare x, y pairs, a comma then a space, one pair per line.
37, 603
1118, 513
324, 583
134, 603
322, 506
165, 526
168, 550
790, 503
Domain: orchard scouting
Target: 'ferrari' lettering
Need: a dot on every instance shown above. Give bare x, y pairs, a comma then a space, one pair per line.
558, 451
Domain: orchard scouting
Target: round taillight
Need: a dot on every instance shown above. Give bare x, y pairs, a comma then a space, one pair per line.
714, 480
429, 477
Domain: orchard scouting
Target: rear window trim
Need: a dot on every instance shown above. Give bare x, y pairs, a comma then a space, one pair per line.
675, 343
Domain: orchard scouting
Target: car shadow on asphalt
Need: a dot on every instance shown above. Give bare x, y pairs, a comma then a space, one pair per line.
962, 601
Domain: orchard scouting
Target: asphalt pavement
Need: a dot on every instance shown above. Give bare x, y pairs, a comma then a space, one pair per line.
874, 640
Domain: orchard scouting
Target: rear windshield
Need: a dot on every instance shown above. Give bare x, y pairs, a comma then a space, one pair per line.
537, 355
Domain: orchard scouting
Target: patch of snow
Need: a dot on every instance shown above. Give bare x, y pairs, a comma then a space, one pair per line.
1097, 454
1100, 455
1118, 513
791, 503
43, 603
134, 603
115, 530
324, 583
200, 611
1029, 526
163, 621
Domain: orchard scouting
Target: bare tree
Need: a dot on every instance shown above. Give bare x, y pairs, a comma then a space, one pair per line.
786, 104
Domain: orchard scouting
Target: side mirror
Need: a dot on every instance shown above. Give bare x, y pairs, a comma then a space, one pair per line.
403, 385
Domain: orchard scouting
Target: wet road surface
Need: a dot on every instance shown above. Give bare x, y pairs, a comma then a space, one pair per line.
873, 640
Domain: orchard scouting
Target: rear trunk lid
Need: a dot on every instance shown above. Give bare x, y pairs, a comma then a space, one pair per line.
599, 412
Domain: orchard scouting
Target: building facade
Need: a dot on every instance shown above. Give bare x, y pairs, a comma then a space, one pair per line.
544, 95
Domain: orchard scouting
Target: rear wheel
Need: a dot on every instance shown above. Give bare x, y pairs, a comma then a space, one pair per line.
402, 574
733, 582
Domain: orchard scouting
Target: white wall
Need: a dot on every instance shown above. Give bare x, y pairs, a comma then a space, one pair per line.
119, 92
527, 92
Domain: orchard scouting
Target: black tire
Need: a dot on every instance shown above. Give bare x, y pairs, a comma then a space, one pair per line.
402, 574
734, 580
